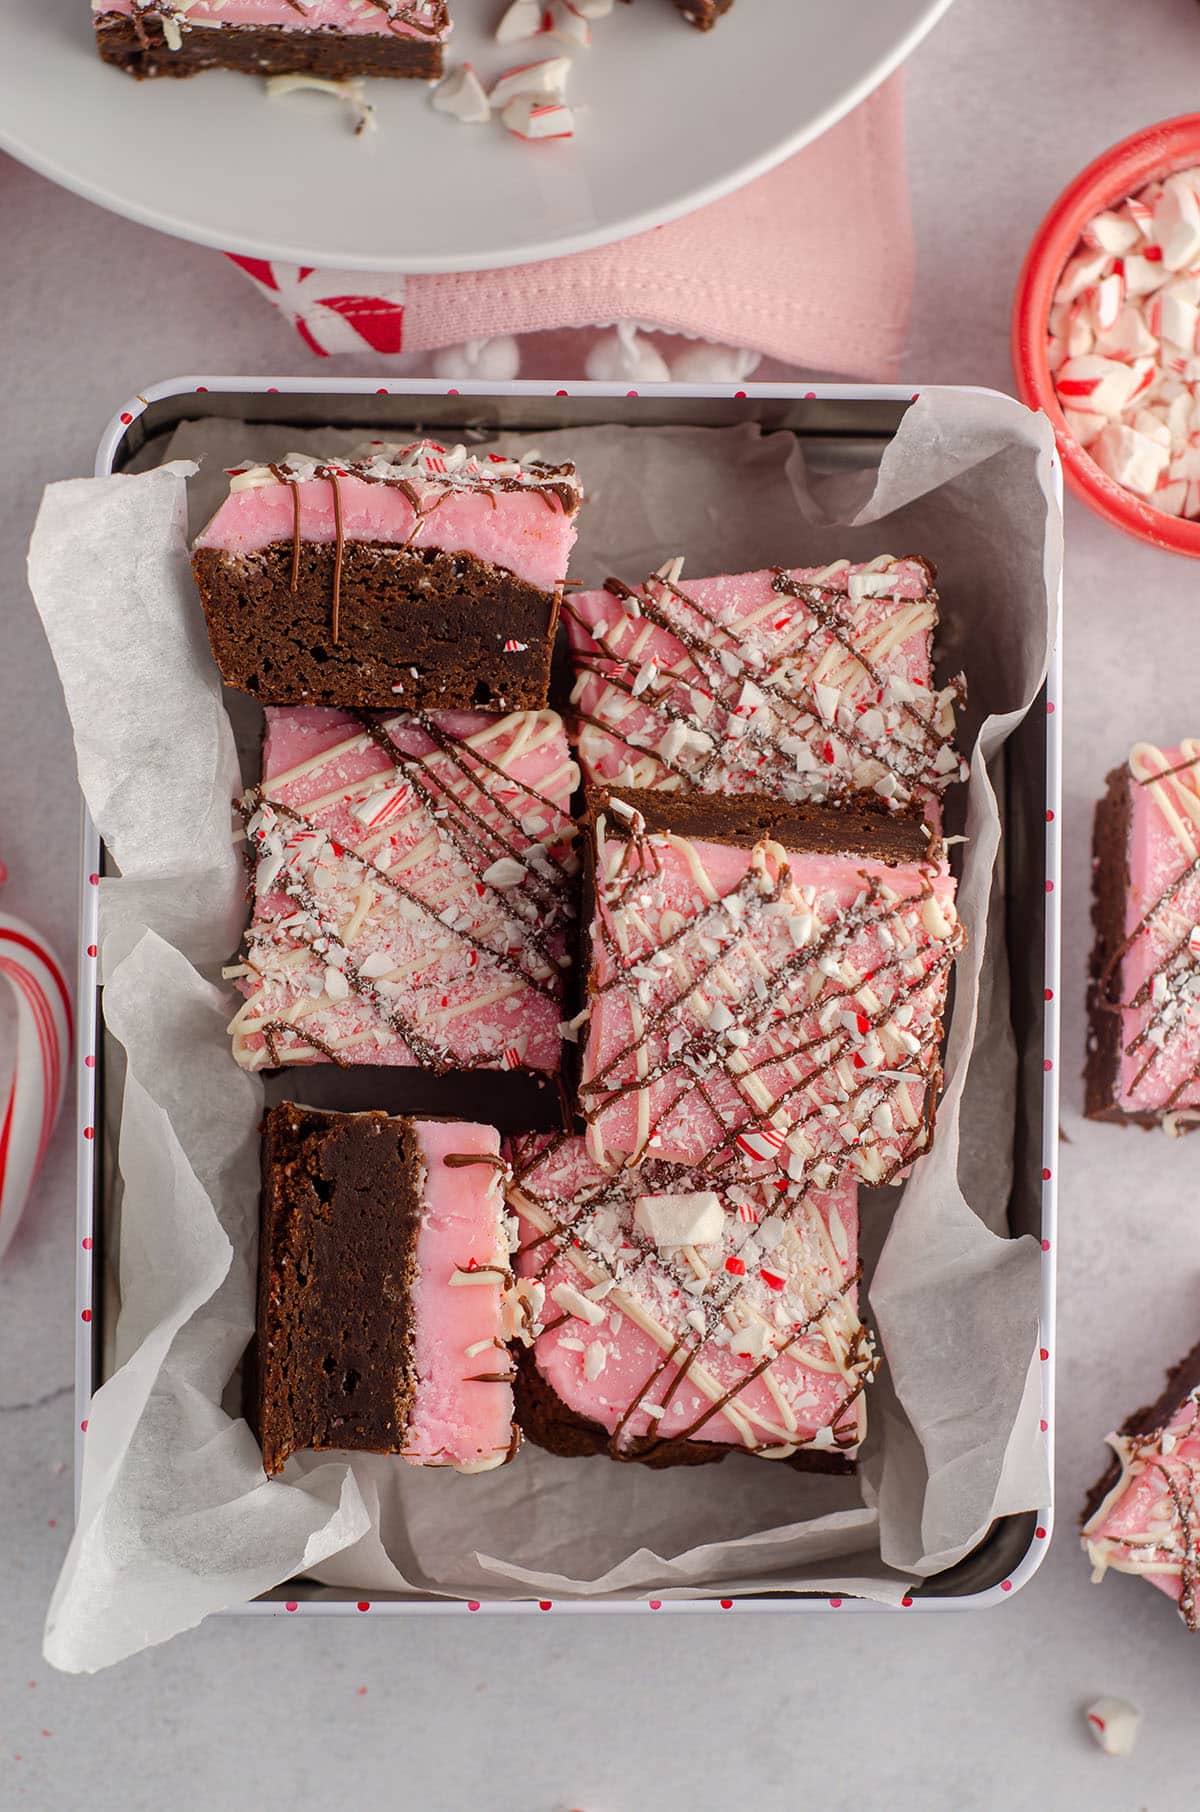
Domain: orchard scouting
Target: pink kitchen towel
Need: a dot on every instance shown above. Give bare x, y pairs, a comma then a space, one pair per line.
811, 264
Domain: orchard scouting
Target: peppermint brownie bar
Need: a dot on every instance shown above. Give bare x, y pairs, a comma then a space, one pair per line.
674, 1318
766, 981
1143, 1057
383, 1280
331, 38
814, 683
1143, 1516
413, 892
414, 577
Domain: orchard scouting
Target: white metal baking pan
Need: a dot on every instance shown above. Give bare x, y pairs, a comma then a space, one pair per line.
862, 418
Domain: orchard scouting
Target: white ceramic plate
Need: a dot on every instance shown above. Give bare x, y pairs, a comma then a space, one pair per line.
669, 118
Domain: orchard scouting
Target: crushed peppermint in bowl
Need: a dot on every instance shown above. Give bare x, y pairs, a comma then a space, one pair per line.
1106, 333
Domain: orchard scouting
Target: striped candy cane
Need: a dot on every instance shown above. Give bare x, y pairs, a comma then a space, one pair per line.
39, 1070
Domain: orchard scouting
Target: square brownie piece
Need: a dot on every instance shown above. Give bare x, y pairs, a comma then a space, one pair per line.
414, 577
675, 1317
273, 37
767, 982
382, 1283
1143, 1516
414, 892
810, 684
1143, 1056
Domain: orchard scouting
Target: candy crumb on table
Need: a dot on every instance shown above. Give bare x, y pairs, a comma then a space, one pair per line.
1143, 1045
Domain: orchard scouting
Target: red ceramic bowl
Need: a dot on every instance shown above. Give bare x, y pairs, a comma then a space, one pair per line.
1115, 174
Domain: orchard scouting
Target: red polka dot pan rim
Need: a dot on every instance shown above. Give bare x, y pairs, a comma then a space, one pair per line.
839, 428
1111, 178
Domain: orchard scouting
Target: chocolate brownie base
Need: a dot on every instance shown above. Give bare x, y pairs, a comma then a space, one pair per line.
332, 1363
551, 1424
703, 14
1110, 888
446, 615
871, 831
1181, 1379
140, 49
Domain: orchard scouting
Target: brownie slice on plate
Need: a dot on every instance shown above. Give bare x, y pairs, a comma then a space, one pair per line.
382, 1294
329, 38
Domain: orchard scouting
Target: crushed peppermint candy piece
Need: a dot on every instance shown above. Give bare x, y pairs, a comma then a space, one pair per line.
506, 872
542, 79
462, 95
1114, 1724
761, 1142
522, 19
538, 117
565, 21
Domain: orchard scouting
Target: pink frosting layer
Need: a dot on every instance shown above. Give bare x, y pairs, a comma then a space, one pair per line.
734, 685
517, 530
472, 965
456, 1418
797, 1256
822, 1069
1160, 1034
353, 17
1138, 1528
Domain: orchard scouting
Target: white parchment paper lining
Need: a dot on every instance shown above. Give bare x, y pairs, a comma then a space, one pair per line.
176, 1518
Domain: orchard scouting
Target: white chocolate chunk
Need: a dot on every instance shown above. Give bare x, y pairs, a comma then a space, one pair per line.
693, 1219
573, 1302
